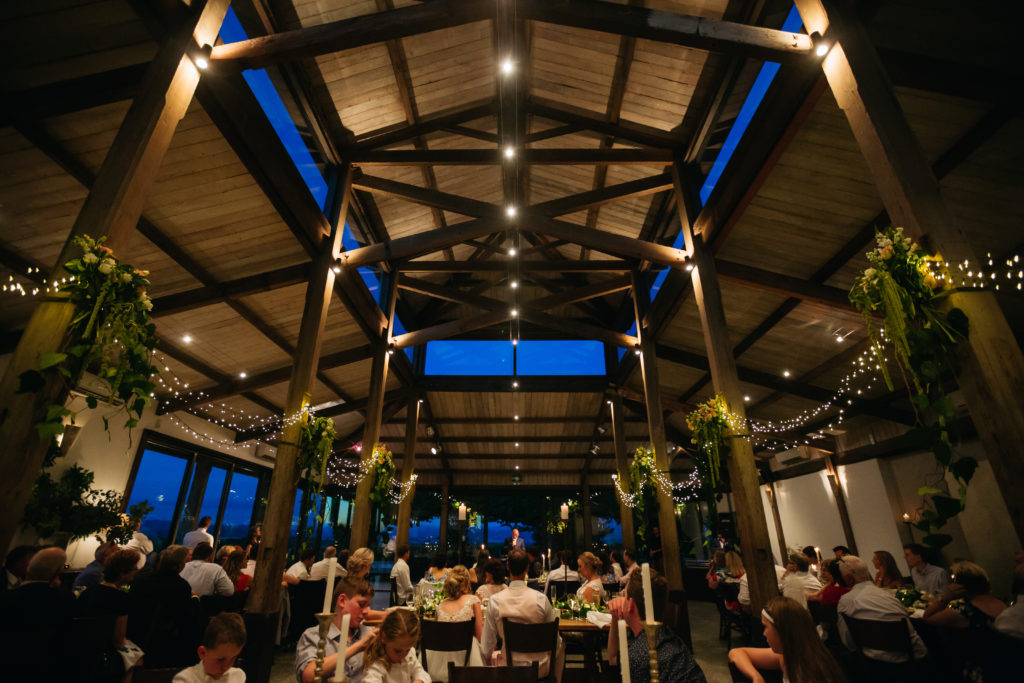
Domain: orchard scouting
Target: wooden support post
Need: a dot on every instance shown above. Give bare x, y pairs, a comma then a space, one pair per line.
412, 418
588, 524
743, 474
992, 379
837, 492
266, 591
442, 543
622, 469
656, 424
371, 430
783, 551
111, 210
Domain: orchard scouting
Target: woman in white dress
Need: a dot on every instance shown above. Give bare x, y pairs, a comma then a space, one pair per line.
589, 569
494, 581
459, 605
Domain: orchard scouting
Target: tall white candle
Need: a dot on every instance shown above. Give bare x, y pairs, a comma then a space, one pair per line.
462, 512
342, 646
332, 567
623, 652
645, 575
565, 511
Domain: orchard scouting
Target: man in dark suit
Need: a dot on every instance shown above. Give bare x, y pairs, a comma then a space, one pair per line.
516, 543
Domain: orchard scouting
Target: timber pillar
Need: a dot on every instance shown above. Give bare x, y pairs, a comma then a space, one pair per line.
412, 414
622, 468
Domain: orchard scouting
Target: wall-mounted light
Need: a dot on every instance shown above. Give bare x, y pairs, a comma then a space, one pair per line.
201, 57
821, 45
391, 349
636, 349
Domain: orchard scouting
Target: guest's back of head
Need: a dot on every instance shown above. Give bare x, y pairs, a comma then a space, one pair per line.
806, 658
359, 561
565, 558
518, 562
801, 561
120, 566
853, 569
46, 565
496, 569
202, 551
330, 552
659, 593
226, 627
734, 564
172, 559
971, 576
457, 583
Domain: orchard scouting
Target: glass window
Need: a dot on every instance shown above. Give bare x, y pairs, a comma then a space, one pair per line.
560, 357
238, 511
157, 482
211, 496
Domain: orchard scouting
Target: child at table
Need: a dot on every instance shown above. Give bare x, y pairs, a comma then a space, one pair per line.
223, 640
391, 655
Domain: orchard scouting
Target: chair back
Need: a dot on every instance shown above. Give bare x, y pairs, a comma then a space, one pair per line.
446, 636
307, 598
492, 674
394, 592
560, 589
536, 638
90, 649
888, 636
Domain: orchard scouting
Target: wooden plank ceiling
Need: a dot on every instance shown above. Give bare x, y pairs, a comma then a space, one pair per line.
792, 220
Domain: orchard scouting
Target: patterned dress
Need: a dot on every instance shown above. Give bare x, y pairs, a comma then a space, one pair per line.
675, 661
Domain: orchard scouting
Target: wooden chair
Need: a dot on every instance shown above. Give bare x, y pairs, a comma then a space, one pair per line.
492, 674
888, 636
306, 600
537, 638
446, 636
393, 599
90, 650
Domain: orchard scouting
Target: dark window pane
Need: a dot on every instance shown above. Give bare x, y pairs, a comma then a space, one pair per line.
157, 482
241, 499
212, 494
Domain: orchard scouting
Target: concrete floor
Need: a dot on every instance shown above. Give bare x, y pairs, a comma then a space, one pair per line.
710, 652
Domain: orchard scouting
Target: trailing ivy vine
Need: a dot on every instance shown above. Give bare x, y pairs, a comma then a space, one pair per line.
316, 441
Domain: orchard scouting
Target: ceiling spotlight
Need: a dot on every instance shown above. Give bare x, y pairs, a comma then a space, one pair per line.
358, 447
689, 267
187, 339
516, 417
513, 312
515, 342
517, 467
747, 399
391, 349
433, 450
510, 211
510, 152
785, 373
821, 46
514, 284
507, 66
201, 58
242, 375
512, 251
515, 385
839, 338
336, 267
636, 349
517, 444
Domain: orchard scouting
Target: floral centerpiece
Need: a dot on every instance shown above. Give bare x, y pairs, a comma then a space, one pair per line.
908, 596
110, 334
908, 286
429, 598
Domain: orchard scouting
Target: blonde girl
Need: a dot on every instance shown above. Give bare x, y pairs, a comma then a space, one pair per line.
391, 655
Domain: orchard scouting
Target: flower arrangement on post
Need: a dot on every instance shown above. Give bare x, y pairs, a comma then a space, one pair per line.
315, 444
907, 286
708, 424
641, 473
382, 468
110, 334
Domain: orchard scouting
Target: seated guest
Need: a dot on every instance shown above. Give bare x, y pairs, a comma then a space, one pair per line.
563, 572
835, 586
300, 570
675, 661
351, 596
616, 564
223, 640
798, 582
162, 620
629, 557
233, 565
523, 604
199, 534
867, 601
108, 599
16, 566
319, 569
1011, 620
93, 572
33, 617
591, 590
359, 562
437, 572
476, 572
743, 597
206, 577
222, 554
391, 655
536, 566
141, 543
255, 540
889, 575
794, 647
927, 577
967, 601
716, 570
400, 573
459, 605
812, 555
841, 551
494, 581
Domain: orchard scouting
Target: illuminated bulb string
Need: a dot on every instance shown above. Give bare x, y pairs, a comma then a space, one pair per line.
679, 491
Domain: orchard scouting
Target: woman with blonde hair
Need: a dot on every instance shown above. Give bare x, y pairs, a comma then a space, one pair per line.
359, 563
459, 605
965, 602
589, 569
889, 575
391, 655
794, 647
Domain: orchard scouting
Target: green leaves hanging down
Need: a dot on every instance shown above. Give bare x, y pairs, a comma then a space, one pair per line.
315, 443
383, 472
907, 285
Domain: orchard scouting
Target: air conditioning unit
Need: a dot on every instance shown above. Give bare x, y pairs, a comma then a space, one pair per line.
793, 455
266, 451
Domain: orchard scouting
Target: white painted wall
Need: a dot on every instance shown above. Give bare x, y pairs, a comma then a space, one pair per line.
808, 513
871, 515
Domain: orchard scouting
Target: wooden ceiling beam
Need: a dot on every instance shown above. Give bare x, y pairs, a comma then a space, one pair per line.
73, 94
495, 157
192, 299
473, 419
393, 135
345, 34
579, 384
420, 244
524, 266
547, 134
604, 195
467, 132
426, 196
627, 131
778, 283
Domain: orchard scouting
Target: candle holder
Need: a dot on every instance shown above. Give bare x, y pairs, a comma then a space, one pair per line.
651, 629
324, 621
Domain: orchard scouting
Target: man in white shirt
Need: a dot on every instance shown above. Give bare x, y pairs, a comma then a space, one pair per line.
300, 570
206, 577
799, 582
561, 573
522, 604
744, 595
867, 601
199, 535
927, 577
141, 543
319, 569
400, 573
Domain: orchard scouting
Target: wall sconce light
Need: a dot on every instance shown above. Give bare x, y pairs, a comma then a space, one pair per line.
201, 57
821, 46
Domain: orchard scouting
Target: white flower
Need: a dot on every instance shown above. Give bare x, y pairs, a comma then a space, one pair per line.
106, 265
90, 258
869, 273
884, 242
146, 302
126, 277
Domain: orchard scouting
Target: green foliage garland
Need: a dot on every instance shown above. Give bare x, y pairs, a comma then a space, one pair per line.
641, 474
110, 334
315, 444
708, 424
383, 471
902, 284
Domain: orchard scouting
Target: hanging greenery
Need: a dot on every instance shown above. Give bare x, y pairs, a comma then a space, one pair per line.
907, 286
110, 334
641, 473
315, 444
382, 469
708, 424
